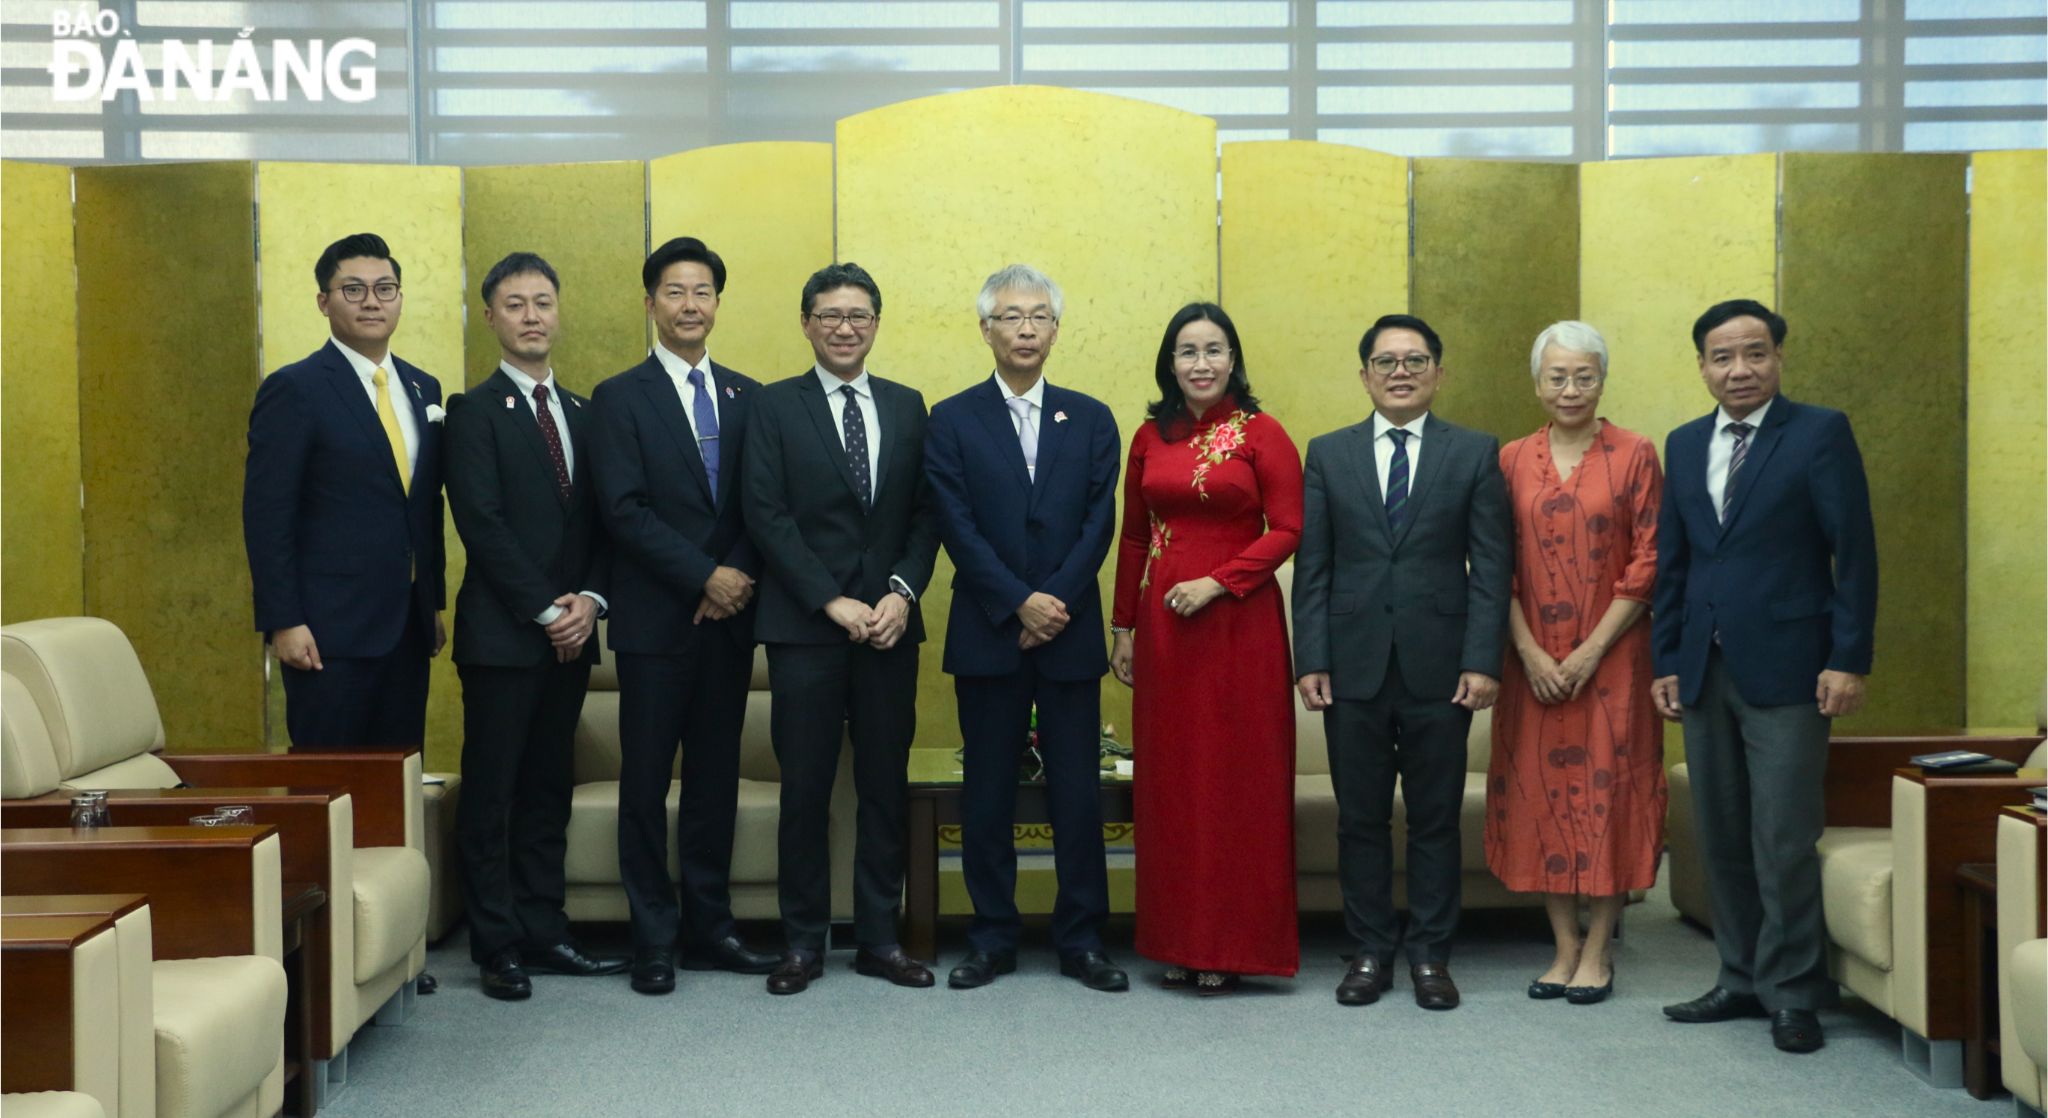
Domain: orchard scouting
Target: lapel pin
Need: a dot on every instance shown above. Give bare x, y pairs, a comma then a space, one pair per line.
576, 401
415, 389
509, 403
728, 392
1059, 417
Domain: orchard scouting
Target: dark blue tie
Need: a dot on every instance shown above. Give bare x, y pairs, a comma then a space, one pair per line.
853, 431
1397, 480
706, 417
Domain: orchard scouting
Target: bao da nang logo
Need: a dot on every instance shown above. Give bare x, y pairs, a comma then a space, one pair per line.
94, 58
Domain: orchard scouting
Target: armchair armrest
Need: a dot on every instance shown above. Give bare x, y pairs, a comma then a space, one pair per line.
1859, 779
385, 787
51, 967
1939, 824
212, 890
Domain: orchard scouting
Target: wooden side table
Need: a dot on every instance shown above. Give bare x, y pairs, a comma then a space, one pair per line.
302, 899
1978, 884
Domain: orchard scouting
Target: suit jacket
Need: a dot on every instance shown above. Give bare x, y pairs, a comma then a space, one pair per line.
816, 541
668, 530
1436, 592
335, 540
527, 546
1011, 535
1789, 581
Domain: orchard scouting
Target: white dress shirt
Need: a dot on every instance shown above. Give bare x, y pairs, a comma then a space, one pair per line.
678, 370
525, 385
1383, 447
864, 392
1721, 449
1034, 399
401, 398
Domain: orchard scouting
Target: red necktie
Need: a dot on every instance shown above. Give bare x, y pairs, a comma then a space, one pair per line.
552, 437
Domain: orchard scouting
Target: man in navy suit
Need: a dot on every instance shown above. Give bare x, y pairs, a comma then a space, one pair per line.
668, 454
1766, 604
341, 516
1024, 477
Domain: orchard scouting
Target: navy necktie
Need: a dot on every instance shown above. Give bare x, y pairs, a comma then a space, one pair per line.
1736, 455
706, 418
1397, 480
853, 430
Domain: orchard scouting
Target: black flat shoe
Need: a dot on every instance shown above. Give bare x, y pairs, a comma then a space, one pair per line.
980, 968
567, 958
654, 971
1796, 1030
729, 954
1546, 991
1717, 1004
502, 979
1095, 971
1590, 995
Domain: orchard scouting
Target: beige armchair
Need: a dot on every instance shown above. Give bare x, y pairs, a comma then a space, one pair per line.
51, 1104
61, 990
135, 1031
99, 720
592, 861
2023, 957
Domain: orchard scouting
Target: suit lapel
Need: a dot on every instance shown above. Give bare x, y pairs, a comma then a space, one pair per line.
1761, 445
349, 387
1436, 433
1368, 468
1052, 434
522, 417
579, 440
667, 403
813, 395
885, 423
994, 415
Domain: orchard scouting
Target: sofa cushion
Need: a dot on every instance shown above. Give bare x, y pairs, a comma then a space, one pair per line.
51, 1104
219, 1031
2029, 987
391, 890
1856, 891
84, 676
28, 763
593, 836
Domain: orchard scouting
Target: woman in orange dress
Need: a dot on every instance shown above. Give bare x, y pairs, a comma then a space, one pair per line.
1212, 507
1575, 792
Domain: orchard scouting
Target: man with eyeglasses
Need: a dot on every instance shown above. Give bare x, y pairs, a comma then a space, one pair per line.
671, 441
1024, 475
341, 517
1400, 605
837, 503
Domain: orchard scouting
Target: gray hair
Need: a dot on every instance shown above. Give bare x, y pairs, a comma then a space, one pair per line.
1571, 335
1018, 277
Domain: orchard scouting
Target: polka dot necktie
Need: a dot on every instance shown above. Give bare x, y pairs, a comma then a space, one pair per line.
389, 420
552, 436
1397, 480
853, 431
1736, 456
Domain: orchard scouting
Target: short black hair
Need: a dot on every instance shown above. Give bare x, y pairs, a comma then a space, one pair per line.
348, 248
1399, 322
1720, 314
678, 250
518, 263
832, 277
1170, 411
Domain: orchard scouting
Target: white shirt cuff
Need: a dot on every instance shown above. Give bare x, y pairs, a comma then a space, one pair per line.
902, 587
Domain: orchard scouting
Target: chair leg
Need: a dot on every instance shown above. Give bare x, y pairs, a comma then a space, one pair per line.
397, 1009
1939, 1062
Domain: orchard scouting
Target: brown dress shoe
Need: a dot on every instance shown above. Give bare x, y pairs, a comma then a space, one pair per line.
1364, 982
1433, 986
795, 973
897, 967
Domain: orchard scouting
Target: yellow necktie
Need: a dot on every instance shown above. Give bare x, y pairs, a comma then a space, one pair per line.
389, 419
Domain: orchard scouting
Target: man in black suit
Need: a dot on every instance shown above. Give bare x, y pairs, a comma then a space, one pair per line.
341, 516
519, 486
1766, 617
1400, 605
671, 435
838, 506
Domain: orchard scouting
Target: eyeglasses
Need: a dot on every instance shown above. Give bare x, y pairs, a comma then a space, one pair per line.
1011, 320
1190, 356
1416, 363
1584, 382
354, 292
831, 320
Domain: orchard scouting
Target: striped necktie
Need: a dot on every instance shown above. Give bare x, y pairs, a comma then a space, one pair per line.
1736, 456
1397, 480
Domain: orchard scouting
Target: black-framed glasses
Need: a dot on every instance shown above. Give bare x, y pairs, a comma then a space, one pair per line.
832, 320
1416, 363
386, 290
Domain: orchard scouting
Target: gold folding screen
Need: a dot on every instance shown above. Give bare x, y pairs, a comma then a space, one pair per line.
42, 530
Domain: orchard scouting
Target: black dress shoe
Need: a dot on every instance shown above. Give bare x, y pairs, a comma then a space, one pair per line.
1590, 995
1364, 981
730, 954
980, 968
1796, 1030
795, 973
502, 978
567, 958
1433, 986
1717, 1004
1095, 971
897, 967
654, 970
426, 983
1546, 991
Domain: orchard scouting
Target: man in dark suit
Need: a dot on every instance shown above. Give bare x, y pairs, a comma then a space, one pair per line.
519, 488
671, 435
1024, 477
1400, 605
838, 505
341, 516
1766, 606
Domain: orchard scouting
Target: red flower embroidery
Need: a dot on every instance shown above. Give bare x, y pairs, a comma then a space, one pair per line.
1161, 536
1216, 447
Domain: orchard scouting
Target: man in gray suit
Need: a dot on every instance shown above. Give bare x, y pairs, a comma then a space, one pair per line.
1400, 602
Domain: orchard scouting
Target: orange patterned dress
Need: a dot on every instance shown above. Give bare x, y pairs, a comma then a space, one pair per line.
1575, 792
